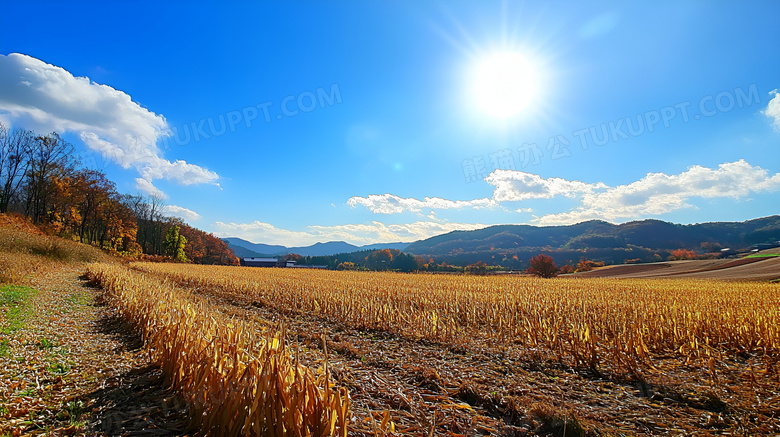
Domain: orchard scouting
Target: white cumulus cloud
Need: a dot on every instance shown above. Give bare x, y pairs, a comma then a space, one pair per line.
654, 194
148, 187
659, 193
177, 211
46, 98
392, 204
772, 110
512, 185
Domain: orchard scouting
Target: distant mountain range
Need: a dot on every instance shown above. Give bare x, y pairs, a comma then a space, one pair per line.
243, 248
645, 240
513, 245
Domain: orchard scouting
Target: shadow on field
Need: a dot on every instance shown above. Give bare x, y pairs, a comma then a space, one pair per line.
136, 402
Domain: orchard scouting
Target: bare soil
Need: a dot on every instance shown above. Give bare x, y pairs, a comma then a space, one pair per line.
745, 269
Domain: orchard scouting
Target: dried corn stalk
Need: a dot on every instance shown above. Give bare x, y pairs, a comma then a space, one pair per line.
235, 380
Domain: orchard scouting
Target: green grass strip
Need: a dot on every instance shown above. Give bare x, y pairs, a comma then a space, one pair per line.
14, 307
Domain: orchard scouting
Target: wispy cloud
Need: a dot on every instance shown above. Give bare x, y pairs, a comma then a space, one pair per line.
358, 234
44, 97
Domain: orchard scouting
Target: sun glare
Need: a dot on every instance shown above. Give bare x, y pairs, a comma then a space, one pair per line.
504, 84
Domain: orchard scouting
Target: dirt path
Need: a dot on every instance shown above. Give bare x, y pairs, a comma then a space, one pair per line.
72, 367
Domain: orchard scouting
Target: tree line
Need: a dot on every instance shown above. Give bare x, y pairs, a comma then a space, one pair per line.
42, 179
376, 260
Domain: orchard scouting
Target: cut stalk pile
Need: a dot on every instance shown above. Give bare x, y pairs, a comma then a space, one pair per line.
236, 380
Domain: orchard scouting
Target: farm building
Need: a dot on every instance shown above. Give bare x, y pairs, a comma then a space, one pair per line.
259, 262
764, 246
728, 252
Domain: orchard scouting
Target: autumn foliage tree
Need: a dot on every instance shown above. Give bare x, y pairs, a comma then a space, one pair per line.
566, 269
543, 266
586, 265
205, 248
478, 268
346, 265
85, 204
380, 259
681, 254
391, 259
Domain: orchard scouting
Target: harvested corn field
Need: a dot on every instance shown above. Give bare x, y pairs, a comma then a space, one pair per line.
236, 379
443, 355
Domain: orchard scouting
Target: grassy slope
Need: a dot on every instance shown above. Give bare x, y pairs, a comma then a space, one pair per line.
66, 361
24, 249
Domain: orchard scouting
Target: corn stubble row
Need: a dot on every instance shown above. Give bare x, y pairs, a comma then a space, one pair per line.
236, 380
601, 324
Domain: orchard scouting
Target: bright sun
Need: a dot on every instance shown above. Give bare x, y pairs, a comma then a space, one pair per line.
504, 84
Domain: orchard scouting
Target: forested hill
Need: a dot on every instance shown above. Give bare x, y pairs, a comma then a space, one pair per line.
42, 179
645, 240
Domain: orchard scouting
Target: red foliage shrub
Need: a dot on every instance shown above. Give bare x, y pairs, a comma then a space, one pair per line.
542, 265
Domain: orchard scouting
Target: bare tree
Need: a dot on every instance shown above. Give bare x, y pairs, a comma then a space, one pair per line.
50, 158
15, 149
152, 222
141, 211
156, 217
136, 204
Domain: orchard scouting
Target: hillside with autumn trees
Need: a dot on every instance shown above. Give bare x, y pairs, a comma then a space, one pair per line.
41, 179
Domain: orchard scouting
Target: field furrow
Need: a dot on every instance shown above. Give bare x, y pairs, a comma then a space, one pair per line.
426, 353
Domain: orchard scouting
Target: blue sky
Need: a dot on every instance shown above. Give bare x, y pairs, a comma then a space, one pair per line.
292, 123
